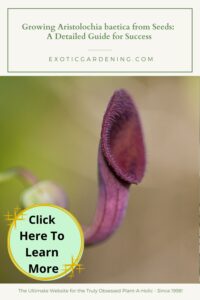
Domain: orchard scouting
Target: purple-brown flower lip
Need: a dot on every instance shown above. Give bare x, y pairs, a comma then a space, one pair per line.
122, 138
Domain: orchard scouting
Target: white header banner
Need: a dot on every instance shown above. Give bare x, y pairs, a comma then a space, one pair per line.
100, 40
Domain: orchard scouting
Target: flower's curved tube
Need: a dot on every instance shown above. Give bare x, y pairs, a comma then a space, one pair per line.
112, 203
121, 161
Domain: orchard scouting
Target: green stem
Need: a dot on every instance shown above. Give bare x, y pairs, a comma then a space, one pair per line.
24, 174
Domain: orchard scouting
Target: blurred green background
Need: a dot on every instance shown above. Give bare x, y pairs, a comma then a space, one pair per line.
51, 125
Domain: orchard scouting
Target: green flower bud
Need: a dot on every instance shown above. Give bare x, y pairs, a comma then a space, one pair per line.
44, 192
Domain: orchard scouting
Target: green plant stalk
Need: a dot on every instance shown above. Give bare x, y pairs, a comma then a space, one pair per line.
22, 173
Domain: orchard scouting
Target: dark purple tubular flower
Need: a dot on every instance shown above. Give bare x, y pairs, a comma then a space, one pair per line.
121, 161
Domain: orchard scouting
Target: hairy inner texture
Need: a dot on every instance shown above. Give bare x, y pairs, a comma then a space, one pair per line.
122, 138
125, 147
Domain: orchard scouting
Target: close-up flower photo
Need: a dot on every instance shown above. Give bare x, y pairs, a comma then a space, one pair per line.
121, 155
